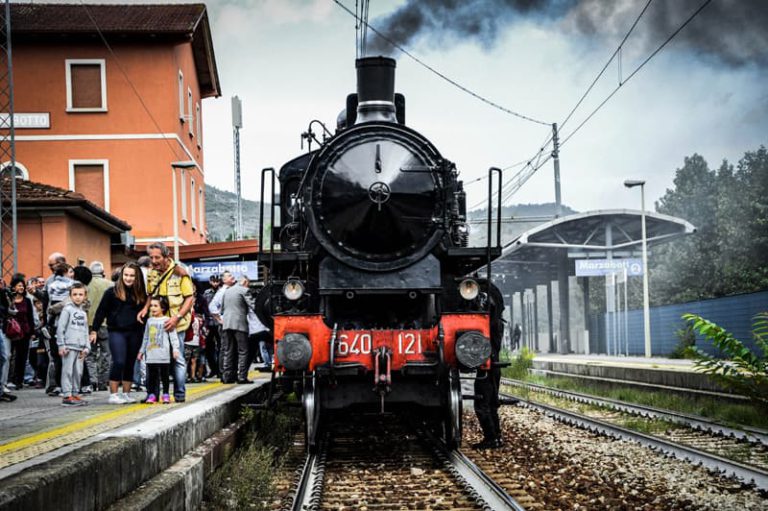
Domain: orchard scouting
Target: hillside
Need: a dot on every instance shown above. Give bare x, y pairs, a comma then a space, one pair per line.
524, 217
220, 206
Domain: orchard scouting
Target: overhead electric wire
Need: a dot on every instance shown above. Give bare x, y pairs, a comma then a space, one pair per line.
438, 73
636, 70
610, 59
539, 164
130, 82
548, 141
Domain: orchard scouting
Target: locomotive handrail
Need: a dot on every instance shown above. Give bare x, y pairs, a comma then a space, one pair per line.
491, 171
264, 171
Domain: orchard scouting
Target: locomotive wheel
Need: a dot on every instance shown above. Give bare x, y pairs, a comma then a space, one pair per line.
310, 400
453, 422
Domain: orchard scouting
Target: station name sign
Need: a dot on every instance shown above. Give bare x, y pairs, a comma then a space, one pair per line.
39, 120
203, 271
601, 267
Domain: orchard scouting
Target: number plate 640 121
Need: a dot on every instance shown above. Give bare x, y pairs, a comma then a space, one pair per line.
361, 343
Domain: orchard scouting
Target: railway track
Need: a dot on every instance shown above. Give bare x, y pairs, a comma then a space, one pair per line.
746, 433
380, 463
698, 451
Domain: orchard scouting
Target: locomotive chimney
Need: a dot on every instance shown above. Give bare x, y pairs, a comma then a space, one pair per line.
375, 89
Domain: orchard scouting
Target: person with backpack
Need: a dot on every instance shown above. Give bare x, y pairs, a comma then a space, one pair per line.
167, 278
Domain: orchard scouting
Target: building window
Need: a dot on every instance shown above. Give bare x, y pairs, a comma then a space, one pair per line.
91, 179
193, 203
199, 126
181, 96
86, 85
190, 106
21, 171
200, 208
183, 195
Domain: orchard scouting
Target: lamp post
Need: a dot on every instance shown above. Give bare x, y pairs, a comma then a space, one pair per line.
186, 164
631, 183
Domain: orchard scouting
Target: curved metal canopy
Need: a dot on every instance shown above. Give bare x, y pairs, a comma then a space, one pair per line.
595, 234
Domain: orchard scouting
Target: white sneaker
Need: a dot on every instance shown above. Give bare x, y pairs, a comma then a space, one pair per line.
127, 398
116, 399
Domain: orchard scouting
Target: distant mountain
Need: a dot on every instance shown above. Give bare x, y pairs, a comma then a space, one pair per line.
516, 219
220, 207
220, 210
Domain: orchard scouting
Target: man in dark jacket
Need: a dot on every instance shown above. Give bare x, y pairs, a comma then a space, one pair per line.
487, 382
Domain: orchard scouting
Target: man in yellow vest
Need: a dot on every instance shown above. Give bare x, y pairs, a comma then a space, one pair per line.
168, 279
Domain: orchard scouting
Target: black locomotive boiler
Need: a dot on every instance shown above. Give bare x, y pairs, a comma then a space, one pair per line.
367, 289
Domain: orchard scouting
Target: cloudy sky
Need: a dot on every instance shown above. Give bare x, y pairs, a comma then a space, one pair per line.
292, 61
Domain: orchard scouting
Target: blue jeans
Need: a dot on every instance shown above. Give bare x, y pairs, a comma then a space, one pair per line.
180, 369
5, 359
124, 347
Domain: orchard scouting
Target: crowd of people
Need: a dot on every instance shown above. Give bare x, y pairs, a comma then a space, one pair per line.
77, 332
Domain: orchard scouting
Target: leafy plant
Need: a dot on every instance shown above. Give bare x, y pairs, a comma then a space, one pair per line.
520, 365
686, 338
743, 371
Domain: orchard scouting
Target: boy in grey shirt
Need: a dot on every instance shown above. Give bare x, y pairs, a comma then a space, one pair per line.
72, 336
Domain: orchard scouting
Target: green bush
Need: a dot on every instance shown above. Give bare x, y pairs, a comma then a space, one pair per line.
245, 481
518, 370
743, 370
686, 338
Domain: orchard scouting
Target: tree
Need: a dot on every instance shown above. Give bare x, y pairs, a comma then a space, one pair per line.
677, 266
729, 253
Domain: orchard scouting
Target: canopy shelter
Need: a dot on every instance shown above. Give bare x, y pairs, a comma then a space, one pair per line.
546, 253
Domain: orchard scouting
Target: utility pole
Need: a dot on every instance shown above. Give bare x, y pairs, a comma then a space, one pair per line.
562, 263
9, 261
556, 158
237, 123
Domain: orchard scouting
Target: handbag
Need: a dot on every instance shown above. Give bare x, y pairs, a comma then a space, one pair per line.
12, 329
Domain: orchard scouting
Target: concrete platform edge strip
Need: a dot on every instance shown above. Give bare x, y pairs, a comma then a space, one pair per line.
181, 486
654, 376
101, 472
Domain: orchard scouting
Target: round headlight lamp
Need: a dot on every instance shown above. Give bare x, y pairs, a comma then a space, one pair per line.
469, 289
293, 290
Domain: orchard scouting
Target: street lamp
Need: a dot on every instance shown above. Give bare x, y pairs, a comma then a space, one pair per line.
186, 164
631, 183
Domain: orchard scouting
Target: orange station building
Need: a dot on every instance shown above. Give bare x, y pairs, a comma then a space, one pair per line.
107, 97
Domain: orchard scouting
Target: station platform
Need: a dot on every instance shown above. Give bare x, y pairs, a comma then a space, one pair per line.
89, 457
670, 374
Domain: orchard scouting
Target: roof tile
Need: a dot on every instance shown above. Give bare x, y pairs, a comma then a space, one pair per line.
113, 18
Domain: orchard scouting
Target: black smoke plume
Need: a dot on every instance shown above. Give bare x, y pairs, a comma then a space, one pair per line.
732, 32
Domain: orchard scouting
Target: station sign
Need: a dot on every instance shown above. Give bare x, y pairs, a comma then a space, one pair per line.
204, 270
601, 267
41, 120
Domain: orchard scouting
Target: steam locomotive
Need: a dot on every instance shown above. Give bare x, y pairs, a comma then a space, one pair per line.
369, 290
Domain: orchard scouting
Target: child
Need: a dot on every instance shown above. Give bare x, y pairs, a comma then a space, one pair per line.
192, 346
157, 350
72, 336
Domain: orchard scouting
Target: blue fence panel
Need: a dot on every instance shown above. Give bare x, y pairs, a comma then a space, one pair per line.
734, 313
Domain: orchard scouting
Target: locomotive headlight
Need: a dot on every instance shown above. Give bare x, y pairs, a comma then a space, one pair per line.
472, 349
294, 352
293, 290
469, 289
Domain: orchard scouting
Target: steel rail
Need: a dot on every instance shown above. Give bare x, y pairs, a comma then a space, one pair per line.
310, 482
652, 386
717, 463
696, 422
482, 487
